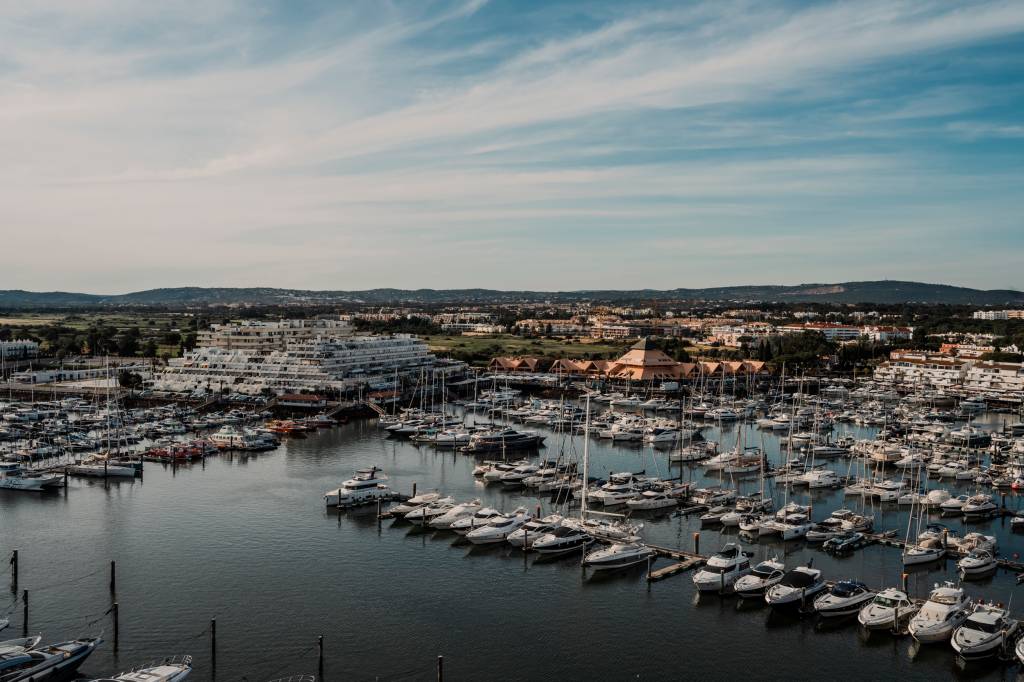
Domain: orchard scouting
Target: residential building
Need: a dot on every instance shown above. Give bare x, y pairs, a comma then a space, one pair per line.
830, 330
19, 349
920, 370
263, 336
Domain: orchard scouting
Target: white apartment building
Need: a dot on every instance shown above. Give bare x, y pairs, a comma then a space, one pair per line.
921, 370
305, 364
998, 314
995, 378
18, 349
831, 331
263, 336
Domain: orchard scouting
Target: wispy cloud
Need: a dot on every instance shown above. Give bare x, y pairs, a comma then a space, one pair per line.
158, 134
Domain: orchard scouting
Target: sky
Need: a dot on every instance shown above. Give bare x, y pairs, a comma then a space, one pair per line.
509, 144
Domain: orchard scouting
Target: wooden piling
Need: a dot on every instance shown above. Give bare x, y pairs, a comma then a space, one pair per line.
414, 489
213, 642
440, 669
14, 570
696, 543
117, 626
24, 621
113, 575
320, 655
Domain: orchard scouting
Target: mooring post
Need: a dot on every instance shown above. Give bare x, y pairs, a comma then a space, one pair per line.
117, 625
440, 669
113, 575
213, 642
649, 568
24, 620
696, 543
414, 489
904, 582
14, 570
320, 657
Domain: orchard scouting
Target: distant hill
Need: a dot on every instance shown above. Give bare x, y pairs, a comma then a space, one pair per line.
847, 292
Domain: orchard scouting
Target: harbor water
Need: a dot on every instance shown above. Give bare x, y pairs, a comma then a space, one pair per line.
246, 539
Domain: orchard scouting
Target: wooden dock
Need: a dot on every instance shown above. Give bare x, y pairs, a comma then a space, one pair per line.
683, 561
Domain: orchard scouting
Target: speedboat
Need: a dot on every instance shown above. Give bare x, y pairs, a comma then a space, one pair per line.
652, 499
13, 477
618, 555
173, 669
525, 536
445, 520
723, 569
887, 611
978, 564
414, 503
946, 609
844, 598
984, 632
421, 516
954, 505
467, 523
761, 577
978, 507
562, 539
795, 587
499, 528
56, 661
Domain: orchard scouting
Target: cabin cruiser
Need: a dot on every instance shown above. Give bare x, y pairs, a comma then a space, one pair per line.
946, 609
619, 555
761, 577
887, 611
954, 505
368, 485
977, 564
97, 467
978, 507
795, 587
445, 520
606, 531
232, 438
924, 552
467, 523
416, 502
652, 499
13, 477
844, 598
516, 477
172, 669
499, 528
561, 540
56, 661
618, 490
18, 645
984, 632
423, 515
713, 496
723, 569
525, 536
504, 439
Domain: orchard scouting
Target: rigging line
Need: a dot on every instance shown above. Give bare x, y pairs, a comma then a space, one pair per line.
67, 582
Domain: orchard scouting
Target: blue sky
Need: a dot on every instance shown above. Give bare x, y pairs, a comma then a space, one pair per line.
539, 145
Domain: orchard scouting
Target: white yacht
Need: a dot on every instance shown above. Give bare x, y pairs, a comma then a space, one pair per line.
652, 499
844, 598
984, 632
445, 520
798, 585
13, 477
414, 503
561, 540
174, 669
499, 528
979, 507
723, 569
368, 485
761, 577
887, 611
619, 555
422, 516
481, 518
946, 609
525, 536
978, 564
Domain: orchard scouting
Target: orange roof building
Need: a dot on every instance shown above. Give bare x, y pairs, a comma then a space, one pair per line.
644, 362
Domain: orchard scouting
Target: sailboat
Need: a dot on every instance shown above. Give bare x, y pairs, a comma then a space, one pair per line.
920, 551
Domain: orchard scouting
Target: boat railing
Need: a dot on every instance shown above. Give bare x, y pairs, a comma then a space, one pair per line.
296, 678
181, 660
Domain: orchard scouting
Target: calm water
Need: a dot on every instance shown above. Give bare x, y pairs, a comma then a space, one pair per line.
246, 539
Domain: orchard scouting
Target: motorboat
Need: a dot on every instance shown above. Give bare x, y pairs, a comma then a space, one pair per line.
844, 598
11, 646
845, 542
13, 477
415, 502
652, 499
945, 610
516, 477
761, 577
445, 520
530, 531
954, 505
987, 629
561, 540
619, 555
422, 516
826, 529
723, 569
467, 523
499, 528
924, 552
56, 661
979, 507
502, 440
172, 669
795, 588
368, 485
889, 610
978, 564
714, 515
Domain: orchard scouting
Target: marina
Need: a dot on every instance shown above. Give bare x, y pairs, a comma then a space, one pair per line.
239, 509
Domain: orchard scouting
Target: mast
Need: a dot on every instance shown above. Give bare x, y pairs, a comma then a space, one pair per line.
586, 461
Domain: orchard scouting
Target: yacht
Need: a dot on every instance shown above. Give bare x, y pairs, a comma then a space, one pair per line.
525, 536
924, 552
422, 516
946, 609
13, 477
954, 505
978, 564
368, 485
844, 598
499, 528
652, 499
561, 540
978, 507
619, 555
232, 438
985, 632
887, 611
173, 669
723, 569
761, 577
416, 502
504, 439
99, 468
53, 662
795, 587
445, 520
467, 523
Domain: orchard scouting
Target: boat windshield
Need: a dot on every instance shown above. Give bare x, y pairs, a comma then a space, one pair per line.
982, 626
846, 589
798, 579
886, 602
949, 598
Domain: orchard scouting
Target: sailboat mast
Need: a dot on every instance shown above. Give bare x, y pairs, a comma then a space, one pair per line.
586, 460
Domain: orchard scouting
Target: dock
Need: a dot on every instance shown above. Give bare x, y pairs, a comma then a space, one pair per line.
683, 561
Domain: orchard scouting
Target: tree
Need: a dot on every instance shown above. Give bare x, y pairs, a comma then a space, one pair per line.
149, 348
130, 380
